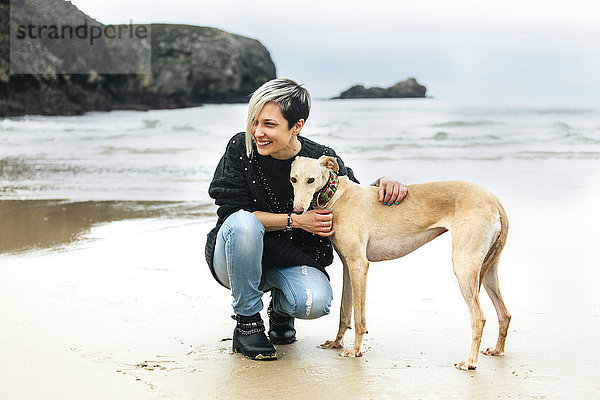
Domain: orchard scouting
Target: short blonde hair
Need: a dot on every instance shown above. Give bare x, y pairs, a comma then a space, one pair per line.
292, 99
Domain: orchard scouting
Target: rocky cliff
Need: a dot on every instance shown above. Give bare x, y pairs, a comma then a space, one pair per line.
190, 65
407, 88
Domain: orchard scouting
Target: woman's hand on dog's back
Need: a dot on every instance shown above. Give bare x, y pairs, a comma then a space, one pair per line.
390, 190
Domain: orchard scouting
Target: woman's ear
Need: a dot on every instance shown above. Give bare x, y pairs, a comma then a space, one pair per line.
329, 163
298, 126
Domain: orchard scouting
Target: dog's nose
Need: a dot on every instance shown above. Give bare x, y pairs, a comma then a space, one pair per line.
298, 210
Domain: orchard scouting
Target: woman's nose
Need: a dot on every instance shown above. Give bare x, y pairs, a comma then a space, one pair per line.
258, 131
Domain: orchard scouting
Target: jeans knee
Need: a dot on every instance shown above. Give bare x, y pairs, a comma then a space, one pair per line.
244, 224
314, 304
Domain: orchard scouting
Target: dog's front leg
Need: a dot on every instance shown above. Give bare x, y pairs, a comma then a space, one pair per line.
358, 269
345, 312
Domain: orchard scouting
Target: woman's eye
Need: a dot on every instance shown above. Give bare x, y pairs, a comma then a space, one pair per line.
310, 180
293, 180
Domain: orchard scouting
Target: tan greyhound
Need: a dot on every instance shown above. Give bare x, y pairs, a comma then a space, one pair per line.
367, 230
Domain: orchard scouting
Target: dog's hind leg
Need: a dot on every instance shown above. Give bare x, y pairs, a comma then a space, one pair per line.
345, 312
467, 265
490, 282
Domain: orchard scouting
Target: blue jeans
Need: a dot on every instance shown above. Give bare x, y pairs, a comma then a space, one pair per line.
300, 291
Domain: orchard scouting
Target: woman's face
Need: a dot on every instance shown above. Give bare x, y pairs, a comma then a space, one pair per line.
272, 135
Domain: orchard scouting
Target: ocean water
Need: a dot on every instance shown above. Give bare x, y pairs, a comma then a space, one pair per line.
170, 155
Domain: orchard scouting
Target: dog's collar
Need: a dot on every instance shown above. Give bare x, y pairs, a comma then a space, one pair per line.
322, 197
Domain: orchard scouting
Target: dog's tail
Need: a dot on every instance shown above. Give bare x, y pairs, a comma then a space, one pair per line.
496, 247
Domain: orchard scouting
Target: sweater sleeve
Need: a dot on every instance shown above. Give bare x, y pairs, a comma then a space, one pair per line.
229, 187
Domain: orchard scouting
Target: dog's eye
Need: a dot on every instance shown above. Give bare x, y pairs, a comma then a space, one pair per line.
310, 180
293, 180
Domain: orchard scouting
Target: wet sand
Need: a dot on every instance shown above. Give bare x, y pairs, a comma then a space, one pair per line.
124, 307
41, 224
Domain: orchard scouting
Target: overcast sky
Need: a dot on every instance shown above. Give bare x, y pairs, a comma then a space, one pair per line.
456, 48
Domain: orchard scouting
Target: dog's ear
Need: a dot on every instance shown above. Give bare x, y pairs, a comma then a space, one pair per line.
329, 162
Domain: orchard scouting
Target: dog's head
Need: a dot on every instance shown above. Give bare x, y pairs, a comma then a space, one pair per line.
308, 176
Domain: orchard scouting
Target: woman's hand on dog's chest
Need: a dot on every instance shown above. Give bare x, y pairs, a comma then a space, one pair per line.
317, 221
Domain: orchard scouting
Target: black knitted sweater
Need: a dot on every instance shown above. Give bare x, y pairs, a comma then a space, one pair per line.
239, 184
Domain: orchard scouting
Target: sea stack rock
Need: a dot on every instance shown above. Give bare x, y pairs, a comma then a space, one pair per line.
404, 89
206, 65
189, 65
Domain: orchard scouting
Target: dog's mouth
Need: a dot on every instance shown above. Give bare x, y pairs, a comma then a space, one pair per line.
299, 210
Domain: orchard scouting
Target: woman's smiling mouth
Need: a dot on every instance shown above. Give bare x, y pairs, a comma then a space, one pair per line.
263, 143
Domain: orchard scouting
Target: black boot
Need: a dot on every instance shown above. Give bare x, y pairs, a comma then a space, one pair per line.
249, 338
281, 327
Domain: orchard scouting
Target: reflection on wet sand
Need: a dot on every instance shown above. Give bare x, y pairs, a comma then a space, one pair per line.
39, 224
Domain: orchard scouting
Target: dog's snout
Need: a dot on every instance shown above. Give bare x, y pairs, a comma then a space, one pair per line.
298, 210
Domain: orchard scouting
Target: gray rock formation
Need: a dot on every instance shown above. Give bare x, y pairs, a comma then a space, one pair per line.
207, 64
407, 88
190, 65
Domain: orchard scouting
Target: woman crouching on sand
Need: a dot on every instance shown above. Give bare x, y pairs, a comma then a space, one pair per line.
258, 244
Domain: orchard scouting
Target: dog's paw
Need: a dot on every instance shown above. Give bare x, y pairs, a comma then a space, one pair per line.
491, 351
465, 366
351, 353
332, 344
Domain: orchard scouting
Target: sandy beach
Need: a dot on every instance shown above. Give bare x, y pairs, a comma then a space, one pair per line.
106, 295
125, 308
